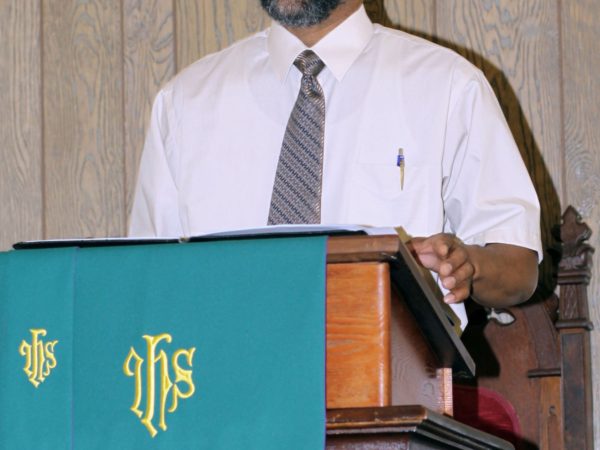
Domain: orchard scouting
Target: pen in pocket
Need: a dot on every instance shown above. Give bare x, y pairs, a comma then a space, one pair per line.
400, 162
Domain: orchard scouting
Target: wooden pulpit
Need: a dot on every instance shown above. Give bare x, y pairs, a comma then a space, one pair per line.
392, 353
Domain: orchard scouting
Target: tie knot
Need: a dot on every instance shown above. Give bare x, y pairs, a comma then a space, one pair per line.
309, 63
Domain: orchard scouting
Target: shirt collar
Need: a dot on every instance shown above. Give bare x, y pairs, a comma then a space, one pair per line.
338, 49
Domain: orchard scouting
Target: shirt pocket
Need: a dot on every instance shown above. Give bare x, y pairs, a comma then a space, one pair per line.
382, 195
378, 172
379, 179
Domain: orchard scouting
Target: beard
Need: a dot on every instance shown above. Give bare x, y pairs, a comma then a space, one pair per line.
299, 13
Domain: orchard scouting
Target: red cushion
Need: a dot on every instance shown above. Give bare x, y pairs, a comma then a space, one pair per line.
487, 411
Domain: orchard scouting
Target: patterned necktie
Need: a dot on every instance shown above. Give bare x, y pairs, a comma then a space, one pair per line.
296, 194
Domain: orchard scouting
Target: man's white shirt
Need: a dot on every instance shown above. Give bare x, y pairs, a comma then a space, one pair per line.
216, 130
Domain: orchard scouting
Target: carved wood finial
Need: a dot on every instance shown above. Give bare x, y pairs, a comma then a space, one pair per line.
574, 328
576, 263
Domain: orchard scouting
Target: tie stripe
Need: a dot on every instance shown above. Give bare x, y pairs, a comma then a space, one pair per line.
296, 194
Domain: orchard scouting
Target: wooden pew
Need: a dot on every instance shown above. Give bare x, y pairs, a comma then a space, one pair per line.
537, 357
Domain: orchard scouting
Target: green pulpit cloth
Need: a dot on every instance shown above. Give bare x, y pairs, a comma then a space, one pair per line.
215, 345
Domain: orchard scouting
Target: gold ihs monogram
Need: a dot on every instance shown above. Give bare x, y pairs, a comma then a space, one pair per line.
132, 367
39, 357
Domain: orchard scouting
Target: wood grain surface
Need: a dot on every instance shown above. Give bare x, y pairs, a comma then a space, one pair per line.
205, 27
77, 82
20, 119
83, 119
581, 93
149, 62
410, 15
358, 335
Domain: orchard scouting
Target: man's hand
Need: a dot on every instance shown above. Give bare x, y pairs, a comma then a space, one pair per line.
446, 255
497, 275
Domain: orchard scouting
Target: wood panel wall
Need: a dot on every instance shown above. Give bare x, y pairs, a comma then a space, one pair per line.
77, 79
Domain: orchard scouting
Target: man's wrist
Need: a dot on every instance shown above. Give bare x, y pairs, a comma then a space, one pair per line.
474, 254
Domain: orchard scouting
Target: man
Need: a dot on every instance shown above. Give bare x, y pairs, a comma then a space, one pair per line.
413, 136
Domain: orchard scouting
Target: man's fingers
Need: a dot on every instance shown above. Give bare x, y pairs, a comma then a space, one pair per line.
446, 269
442, 246
446, 255
457, 295
455, 278
458, 283
424, 252
433, 251
420, 246
439, 244
450, 298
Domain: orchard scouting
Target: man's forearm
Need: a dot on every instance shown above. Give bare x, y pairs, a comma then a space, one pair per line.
496, 275
504, 275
